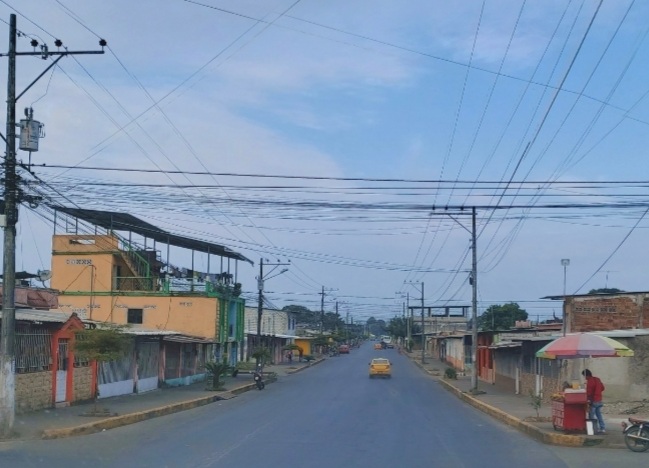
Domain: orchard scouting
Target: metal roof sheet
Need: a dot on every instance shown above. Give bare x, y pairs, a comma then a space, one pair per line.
117, 221
188, 339
35, 315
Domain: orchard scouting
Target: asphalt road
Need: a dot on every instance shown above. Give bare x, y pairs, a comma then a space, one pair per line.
332, 415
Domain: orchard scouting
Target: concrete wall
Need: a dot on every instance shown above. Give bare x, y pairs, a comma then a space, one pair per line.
274, 322
33, 391
455, 352
625, 379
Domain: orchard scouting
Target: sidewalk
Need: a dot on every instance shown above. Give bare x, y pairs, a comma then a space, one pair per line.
69, 421
517, 411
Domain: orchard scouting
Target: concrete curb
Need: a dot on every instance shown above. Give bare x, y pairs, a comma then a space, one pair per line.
300, 369
132, 418
564, 440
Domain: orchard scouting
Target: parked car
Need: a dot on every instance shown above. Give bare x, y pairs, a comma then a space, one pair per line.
343, 349
378, 346
380, 367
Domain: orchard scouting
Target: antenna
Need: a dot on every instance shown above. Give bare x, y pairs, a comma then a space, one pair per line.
44, 275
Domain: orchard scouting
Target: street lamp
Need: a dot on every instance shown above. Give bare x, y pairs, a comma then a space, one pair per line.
564, 263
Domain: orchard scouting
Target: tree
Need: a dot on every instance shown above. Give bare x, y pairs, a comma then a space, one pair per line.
262, 356
605, 291
501, 317
398, 327
216, 370
304, 316
105, 344
376, 327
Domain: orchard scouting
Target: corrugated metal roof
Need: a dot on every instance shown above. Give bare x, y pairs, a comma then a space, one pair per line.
505, 344
276, 335
632, 333
187, 339
113, 220
35, 315
132, 330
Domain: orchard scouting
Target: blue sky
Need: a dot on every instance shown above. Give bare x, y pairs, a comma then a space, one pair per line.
429, 90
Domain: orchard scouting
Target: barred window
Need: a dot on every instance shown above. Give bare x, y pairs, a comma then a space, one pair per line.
33, 350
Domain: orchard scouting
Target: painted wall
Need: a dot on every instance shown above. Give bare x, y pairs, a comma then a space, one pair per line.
83, 263
305, 345
274, 322
191, 315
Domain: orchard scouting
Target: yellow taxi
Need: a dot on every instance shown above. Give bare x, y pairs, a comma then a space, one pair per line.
380, 367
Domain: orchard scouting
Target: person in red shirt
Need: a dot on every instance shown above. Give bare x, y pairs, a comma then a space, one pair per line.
594, 389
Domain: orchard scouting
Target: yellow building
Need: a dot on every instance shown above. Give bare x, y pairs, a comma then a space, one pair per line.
113, 267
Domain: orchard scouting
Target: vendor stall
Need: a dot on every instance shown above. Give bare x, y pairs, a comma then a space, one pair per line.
569, 410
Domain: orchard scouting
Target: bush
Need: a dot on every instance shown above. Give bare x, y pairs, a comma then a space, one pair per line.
450, 373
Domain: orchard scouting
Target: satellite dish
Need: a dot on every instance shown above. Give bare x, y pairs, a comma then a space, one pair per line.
44, 275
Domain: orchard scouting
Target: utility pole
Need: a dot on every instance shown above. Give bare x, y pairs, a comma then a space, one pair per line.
423, 334
11, 201
474, 313
260, 299
322, 311
7, 337
409, 319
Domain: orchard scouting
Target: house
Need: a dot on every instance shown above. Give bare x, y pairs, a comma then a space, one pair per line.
47, 372
113, 267
277, 330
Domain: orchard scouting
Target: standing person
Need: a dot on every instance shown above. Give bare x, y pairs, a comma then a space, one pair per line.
594, 389
290, 357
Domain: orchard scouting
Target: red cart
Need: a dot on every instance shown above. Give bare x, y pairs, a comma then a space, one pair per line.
569, 411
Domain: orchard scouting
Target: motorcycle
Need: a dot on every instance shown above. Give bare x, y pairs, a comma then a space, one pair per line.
259, 380
636, 434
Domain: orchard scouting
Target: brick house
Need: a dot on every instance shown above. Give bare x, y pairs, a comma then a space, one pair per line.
47, 371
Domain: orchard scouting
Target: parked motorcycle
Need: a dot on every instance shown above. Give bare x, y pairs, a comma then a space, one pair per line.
259, 380
636, 434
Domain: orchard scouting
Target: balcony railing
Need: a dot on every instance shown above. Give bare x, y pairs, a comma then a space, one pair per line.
136, 283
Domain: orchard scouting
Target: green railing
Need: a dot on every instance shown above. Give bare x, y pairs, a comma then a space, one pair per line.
135, 283
139, 264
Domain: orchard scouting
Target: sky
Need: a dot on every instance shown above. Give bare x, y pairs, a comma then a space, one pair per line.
353, 139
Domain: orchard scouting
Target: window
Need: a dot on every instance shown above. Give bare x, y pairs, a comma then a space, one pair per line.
134, 316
